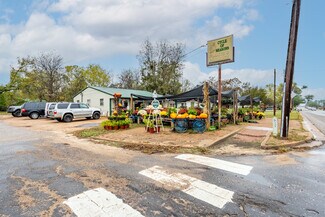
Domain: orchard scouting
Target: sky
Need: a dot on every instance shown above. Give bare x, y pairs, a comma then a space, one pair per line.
110, 33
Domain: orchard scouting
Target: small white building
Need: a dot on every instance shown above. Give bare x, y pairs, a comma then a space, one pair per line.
103, 98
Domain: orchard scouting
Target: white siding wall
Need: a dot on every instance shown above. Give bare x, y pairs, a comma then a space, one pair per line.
94, 97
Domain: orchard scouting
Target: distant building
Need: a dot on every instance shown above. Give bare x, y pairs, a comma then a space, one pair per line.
103, 98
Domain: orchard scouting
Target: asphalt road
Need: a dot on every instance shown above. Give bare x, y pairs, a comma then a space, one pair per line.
317, 118
37, 174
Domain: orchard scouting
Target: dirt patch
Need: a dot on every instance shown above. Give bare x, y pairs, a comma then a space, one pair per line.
26, 200
281, 160
296, 134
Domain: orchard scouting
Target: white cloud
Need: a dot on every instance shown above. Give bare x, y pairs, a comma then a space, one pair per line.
82, 30
195, 75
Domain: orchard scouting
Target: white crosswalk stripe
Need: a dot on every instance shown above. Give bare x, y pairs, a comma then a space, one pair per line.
99, 203
216, 163
204, 191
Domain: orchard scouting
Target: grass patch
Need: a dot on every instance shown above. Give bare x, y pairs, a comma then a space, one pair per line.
294, 115
3, 113
91, 132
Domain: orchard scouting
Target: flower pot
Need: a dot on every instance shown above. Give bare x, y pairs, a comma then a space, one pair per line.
109, 128
122, 127
127, 126
158, 129
106, 127
151, 130
115, 127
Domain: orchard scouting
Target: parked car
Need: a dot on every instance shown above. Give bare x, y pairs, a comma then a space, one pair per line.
33, 109
14, 110
68, 111
47, 106
49, 111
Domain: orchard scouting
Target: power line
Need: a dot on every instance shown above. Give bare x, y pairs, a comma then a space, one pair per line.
193, 50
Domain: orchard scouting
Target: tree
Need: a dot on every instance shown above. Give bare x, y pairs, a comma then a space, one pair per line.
161, 66
129, 79
309, 97
78, 78
40, 78
186, 85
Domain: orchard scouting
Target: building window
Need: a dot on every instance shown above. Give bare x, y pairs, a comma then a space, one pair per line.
101, 102
88, 101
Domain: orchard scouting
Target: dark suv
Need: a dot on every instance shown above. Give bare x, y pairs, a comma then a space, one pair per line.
33, 109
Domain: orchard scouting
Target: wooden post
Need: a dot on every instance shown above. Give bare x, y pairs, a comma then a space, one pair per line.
274, 93
234, 106
290, 67
219, 96
132, 103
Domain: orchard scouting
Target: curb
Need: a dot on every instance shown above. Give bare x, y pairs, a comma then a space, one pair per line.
224, 137
309, 139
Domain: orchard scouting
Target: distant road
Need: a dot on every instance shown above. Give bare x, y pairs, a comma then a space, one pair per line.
317, 118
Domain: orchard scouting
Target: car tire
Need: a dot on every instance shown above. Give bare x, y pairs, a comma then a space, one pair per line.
96, 115
34, 115
16, 113
67, 118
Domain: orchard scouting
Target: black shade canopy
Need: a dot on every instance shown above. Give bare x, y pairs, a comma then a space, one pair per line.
246, 100
194, 94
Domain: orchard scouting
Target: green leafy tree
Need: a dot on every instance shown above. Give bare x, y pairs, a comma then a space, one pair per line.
78, 78
38, 78
309, 97
161, 67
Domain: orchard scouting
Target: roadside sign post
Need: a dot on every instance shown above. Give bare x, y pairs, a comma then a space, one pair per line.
220, 51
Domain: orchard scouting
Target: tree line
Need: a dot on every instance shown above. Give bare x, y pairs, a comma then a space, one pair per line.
44, 77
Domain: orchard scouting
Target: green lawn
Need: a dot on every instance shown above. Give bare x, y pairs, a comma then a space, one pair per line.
294, 115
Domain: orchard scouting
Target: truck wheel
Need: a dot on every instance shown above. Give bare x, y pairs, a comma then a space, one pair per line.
96, 115
67, 118
16, 113
34, 115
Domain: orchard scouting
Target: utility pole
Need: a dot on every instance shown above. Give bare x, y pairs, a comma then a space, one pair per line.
290, 67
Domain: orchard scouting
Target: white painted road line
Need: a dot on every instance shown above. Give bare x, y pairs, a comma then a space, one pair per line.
201, 190
216, 163
99, 202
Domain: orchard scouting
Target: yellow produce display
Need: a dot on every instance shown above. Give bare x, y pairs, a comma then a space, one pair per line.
192, 116
173, 115
203, 115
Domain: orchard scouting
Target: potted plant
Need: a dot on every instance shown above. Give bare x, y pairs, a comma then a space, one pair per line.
127, 123
151, 126
115, 125
105, 124
122, 124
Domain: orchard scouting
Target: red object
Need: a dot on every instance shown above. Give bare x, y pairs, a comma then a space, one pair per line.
152, 130
23, 110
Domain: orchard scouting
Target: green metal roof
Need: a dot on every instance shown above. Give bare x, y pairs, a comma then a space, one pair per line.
126, 93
